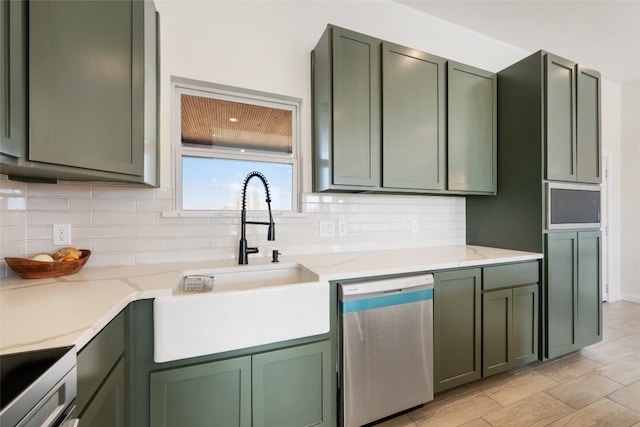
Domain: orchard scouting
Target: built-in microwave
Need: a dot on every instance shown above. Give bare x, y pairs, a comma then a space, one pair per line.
573, 205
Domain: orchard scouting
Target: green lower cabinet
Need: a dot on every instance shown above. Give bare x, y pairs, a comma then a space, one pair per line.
107, 409
210, 394
291, 387
279, 388
573, 291
526, 317
100, 399
457, 328
589, 289
509, 328
497, 330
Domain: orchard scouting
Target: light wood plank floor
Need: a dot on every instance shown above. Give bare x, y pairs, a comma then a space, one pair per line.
597, 386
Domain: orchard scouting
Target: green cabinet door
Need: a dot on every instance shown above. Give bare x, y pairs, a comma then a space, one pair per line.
574, 294
525, 324
457, 328
107, 409
92, 90
13, 90
560, 118
208, 394
588, 121
497, 331
413, 119
80, 98
101, 393
589, 289
573, 133
560, 291
346, 88
96, 361
291, 387
509, 316
472, 129
356, 118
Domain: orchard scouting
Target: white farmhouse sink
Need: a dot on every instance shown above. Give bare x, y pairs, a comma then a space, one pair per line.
248, 306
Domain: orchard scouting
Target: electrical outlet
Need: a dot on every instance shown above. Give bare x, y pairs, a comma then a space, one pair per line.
342, 228
61, 234
327, 228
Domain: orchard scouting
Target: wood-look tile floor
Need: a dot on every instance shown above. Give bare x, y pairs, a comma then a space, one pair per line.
597, 386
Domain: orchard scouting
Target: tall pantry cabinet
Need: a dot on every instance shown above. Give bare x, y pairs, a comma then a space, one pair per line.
548, 131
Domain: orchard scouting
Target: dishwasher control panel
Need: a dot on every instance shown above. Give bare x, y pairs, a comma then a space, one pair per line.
388, 285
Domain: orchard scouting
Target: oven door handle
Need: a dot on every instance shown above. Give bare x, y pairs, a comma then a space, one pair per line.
71, 423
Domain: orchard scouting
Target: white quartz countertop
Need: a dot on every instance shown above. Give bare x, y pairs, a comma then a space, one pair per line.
70, 310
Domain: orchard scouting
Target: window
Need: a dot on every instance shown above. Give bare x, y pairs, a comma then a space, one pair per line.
221, 135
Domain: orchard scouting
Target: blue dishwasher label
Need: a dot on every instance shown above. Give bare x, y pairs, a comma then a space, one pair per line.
384, 301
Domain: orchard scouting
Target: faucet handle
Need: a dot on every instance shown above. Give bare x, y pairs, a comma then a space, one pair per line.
274, 256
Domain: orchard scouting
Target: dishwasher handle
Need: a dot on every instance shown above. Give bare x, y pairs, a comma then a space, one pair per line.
424, 281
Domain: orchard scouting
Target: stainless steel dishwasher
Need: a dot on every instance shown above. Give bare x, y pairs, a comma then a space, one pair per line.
386, 347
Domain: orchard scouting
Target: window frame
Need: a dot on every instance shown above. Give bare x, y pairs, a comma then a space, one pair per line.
180, 86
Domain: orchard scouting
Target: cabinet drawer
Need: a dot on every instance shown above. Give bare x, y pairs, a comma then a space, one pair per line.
502, 276
97, 358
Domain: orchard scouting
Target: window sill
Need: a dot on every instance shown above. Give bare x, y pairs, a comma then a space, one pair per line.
231, 214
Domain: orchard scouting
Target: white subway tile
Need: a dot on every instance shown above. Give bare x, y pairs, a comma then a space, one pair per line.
48, 204
10, 218
39, 218
123, 192
124, 218
104, 205
160, 231
59, 190
15, 203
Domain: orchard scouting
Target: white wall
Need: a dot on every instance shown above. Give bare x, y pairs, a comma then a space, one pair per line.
630, 179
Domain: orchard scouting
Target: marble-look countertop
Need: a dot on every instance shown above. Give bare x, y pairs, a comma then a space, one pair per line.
70, 310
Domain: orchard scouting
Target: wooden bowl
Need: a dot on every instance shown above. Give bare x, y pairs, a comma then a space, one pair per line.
28, 269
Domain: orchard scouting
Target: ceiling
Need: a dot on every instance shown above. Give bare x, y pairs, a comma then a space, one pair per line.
207, 122
599, 34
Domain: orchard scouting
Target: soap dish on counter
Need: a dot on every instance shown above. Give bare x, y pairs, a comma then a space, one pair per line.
29, 269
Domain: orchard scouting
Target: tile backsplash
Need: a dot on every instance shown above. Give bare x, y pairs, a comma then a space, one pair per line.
125, 225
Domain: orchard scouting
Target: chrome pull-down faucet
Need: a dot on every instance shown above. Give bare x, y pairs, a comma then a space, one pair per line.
271, 231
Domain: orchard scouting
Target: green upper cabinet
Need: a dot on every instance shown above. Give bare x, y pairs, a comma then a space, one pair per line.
13, 87
472, 129
92, 92
346, 101
380, 119
572, 121
561, 118
588, 125
413, 119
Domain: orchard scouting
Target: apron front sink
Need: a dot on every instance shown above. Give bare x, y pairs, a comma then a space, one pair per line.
247, 306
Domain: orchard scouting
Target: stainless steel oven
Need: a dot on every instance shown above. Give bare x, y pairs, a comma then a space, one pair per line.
38, 388
573, 205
